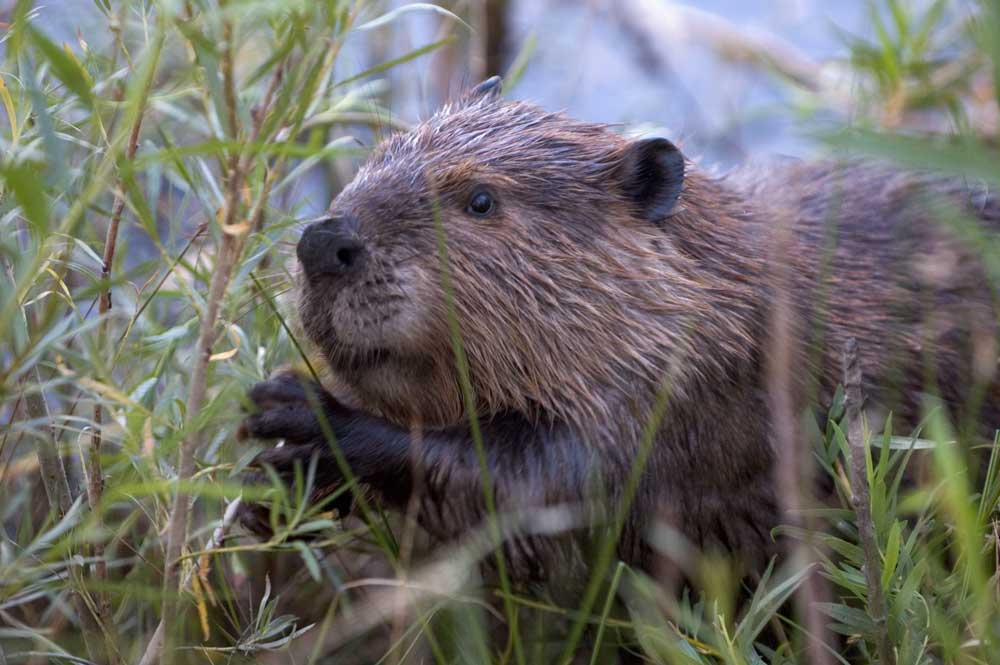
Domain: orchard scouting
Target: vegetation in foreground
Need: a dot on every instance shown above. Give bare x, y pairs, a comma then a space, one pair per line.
149, 196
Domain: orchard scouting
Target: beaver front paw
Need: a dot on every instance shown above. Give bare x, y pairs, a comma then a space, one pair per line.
300, 414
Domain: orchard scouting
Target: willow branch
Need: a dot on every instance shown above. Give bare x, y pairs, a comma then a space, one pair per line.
229, 516
54, 478
177, 528
95, 474
55, 481
790, 463
861, 499
233, 236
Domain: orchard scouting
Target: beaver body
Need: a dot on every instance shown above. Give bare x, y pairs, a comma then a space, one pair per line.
609, 294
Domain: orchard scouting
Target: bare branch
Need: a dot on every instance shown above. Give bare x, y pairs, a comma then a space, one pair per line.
861, 498
232, 246
94, 472
56, 484
790, 464
152, 653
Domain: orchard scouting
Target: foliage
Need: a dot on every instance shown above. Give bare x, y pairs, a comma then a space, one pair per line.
149, 195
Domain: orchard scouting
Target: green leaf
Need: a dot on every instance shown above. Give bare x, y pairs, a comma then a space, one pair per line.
244, 461
990, 495
55, 153
765, 604
907, 442
884, 442
8, 104
927, 25
908, 590
889, 55
846, 549
23, 180
958, 155
23, 10
901, 19
388, 17
309, 558
207, 57
389, 64
857, 621
891, 553
517, 68
137, 200
66, 67
314, 525
991, 31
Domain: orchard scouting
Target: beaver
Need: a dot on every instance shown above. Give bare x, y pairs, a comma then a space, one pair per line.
582, 302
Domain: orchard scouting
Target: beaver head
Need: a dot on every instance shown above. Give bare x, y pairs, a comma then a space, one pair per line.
543, 237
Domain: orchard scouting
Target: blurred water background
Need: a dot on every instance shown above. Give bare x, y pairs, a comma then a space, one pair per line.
691, 71
603, 60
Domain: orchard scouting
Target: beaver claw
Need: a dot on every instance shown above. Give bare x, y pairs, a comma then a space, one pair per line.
287, 407
292, 408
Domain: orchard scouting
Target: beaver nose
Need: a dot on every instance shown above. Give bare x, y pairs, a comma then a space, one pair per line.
330, 247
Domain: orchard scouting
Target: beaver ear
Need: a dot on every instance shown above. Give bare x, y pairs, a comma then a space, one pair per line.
488, 89
652, 172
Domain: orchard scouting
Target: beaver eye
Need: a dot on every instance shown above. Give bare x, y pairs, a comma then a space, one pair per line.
481, 204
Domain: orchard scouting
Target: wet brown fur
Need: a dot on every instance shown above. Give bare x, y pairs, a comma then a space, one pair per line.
575, 310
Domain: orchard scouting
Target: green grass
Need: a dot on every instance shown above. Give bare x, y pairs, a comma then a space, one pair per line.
175, 134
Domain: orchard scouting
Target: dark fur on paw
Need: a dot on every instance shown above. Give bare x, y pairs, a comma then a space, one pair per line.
292, 408
291, 463
255, 518
286, 406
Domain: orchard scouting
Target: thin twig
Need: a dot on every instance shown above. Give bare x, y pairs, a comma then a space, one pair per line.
790, 467
861, 498
55, 481
228, 519
229, 251
152, 653
233, 238
176, 533
94, 472
54, 478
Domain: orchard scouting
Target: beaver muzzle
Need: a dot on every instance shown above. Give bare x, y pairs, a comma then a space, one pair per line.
331, 247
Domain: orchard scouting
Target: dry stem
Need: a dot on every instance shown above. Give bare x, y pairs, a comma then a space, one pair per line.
229, 252
861, 498
177, 528
95, 474
229, 516
788, 449
57, 489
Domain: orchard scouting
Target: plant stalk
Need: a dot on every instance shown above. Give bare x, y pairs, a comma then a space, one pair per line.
790, 470
229, 252
95, 474
861, 498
